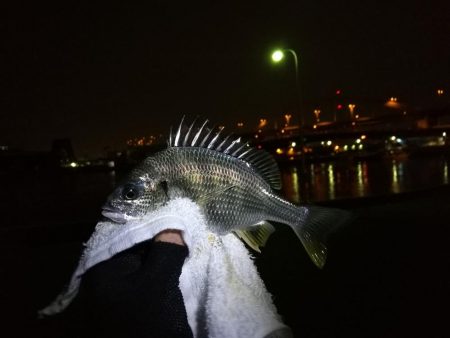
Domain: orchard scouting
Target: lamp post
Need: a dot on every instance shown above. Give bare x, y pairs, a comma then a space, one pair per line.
278, 56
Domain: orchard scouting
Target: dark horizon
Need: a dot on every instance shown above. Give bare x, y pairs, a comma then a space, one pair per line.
100, 75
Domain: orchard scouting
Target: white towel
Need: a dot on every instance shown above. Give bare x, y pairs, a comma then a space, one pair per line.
222, 291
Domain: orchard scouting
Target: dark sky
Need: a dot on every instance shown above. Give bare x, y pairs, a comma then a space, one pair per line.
99, 74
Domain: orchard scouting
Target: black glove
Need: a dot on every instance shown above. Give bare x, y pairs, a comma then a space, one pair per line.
136, 294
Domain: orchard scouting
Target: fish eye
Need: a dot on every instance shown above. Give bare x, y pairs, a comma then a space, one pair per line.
130, 192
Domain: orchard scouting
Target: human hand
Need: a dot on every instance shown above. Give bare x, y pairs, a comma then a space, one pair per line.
136, 293
170, 236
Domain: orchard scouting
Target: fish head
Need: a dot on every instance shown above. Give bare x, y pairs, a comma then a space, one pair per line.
135, 197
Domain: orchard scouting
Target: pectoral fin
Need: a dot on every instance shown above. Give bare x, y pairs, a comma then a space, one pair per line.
256, 237
204, 199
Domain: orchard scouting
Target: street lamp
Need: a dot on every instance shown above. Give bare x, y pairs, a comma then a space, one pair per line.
278, 56
317, 114
351, 108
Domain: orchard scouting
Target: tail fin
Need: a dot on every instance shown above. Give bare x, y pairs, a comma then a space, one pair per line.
315, 226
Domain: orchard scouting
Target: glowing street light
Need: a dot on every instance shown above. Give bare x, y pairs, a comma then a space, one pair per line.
351, 107
278, 56
287, 118
317, 114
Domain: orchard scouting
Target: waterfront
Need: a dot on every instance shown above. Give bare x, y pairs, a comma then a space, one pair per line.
76, 197
354, 178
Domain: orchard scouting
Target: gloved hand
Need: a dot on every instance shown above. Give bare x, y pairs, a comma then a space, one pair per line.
136, 293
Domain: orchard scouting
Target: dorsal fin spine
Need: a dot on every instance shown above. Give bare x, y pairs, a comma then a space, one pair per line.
226, 151
194, 141
177, 137
186, 137
211, 144
219, 147
239, 149
202, 144
245, 153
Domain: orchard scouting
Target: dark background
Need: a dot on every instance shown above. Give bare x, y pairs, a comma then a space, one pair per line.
100, 73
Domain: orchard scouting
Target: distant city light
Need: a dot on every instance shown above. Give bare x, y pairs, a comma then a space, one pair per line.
358, 140
317, 114
338, 92
393, 138
287, 118
363, 137
329, 143
73, 164
444, 134
240, 124
279, 151
339, 106
262, 123
440, 92
351, 107
293, 144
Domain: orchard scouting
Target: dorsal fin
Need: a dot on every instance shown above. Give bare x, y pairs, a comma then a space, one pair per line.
200, 136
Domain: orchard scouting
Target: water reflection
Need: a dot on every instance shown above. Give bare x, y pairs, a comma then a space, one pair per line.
331, 183
445, 174
360, 178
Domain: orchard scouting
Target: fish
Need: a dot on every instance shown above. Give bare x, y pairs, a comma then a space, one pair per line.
233, 183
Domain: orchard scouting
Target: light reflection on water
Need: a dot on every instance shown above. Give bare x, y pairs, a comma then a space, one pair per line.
361, 178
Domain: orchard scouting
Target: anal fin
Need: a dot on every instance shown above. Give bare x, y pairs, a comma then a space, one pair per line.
256, 237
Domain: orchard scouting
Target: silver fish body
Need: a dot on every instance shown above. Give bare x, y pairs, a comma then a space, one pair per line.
232, 195
232, 188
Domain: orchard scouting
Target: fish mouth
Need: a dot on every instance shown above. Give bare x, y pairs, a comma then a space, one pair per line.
113, 215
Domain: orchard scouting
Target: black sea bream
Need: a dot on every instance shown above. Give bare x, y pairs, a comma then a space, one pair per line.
232, 183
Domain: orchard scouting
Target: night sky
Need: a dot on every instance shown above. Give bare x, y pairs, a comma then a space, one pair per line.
99, 74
